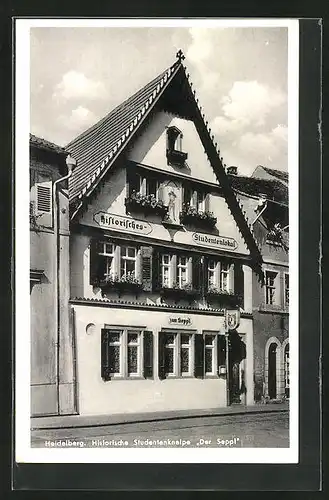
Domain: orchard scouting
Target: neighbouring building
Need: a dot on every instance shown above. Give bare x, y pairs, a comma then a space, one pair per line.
159, 248
264, 197
52, 383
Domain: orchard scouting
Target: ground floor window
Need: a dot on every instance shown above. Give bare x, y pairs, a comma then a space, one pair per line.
178, 355
286, 371
126, 353
183, 354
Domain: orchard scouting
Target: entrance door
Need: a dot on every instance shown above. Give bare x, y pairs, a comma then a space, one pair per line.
272, 354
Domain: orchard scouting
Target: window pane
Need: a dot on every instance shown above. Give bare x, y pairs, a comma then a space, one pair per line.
208, 360
115, 336
165, 259
131, 252
108, 248
132, 337
184, 360
209, 340
114, 359
123, 251
169, 360
170, 338
132, 359
182, 261
185, 339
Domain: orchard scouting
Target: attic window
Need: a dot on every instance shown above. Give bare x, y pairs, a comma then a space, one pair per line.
175, 155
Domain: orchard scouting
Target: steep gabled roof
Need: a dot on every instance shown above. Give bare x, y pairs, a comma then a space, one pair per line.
41, 143
278, 174
99, 147
270, 188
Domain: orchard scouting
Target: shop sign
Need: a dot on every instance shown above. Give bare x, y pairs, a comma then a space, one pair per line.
119, 223
180, 320
209, 240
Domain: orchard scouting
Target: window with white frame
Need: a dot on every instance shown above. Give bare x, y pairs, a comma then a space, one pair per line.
128, 262
182, 271
195, 198
122, 353
107, 251
176, 270
212, 270
286, 289
219, 275
165, 270
224, 276
147, 185
178, 354
270, 287
210, 354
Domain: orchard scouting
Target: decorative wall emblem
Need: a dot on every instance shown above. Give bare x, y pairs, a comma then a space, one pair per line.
209, 240
232, 319
119, 223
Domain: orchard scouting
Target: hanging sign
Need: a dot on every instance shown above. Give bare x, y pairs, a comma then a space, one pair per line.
119, 223
232, 318
209, 240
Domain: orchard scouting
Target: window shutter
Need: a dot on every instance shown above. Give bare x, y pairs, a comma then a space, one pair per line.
97, 262
156, 270
231, 278
160, 191
161, 355
239, 280
204, 275
206, 202
105, 367
194, 199
146, 263
198, 356
196, 272
187, 194
148, 354
43, 197
221, 350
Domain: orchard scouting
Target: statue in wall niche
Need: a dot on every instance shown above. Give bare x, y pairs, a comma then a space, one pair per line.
171, 192
172, 206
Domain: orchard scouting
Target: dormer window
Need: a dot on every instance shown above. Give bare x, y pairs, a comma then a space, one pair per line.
175, 155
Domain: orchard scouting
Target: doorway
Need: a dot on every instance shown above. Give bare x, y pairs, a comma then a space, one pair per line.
272, 362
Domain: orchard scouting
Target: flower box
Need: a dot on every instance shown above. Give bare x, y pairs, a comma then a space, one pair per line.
177, 158
191, 216
124, 284
178, 293
147, 204
228, 298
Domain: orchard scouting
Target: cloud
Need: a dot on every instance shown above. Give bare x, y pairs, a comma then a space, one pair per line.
75, 85
79, 119
201, 47
251, 102
265, 148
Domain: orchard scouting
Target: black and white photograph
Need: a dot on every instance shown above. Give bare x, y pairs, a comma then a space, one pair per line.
156, 240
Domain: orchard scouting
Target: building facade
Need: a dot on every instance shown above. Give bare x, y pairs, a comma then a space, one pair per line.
159, 249
264, 196
52, 384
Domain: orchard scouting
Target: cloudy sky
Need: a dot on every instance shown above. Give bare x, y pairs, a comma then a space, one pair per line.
240, 76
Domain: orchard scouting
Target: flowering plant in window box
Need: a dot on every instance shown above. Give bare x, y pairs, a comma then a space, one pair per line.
146, 203
125, 283
190, 215
274, 236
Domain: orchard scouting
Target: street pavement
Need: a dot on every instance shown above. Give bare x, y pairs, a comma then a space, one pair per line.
266, 430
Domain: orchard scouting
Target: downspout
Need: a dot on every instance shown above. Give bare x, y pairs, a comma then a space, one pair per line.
71, 164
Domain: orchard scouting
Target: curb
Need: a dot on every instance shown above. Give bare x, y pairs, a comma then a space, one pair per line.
159, 418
